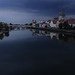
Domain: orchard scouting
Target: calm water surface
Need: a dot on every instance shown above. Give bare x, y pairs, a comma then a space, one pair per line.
33, 52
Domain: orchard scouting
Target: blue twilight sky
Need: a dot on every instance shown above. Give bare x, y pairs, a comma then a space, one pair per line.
24, 11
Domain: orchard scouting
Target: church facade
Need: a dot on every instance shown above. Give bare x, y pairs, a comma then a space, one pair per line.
62, 15
61, 19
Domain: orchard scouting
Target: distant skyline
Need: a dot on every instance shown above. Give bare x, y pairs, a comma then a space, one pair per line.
24, 11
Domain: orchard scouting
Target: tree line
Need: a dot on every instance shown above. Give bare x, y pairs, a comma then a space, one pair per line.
4, 26
65, 25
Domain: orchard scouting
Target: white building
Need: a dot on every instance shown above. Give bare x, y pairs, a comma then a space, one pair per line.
52, 24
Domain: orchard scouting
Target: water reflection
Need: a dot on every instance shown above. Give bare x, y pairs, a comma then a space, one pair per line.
17, 28
4, 34
30, 54
56, 36
67, 37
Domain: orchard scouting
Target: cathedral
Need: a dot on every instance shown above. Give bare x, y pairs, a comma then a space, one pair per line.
62, 15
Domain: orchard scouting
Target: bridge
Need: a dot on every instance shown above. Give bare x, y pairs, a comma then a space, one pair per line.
17, 27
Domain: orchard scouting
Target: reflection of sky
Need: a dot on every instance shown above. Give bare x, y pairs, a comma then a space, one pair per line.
24, 54
17, 35
23, 11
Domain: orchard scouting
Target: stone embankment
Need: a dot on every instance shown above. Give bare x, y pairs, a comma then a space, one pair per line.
53, 30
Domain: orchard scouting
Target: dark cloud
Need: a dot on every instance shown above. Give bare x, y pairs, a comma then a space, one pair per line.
39, 7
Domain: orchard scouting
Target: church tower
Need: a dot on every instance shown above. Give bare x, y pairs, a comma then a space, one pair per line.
60, 15
63, 15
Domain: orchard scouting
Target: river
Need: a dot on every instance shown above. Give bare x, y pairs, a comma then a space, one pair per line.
34, 52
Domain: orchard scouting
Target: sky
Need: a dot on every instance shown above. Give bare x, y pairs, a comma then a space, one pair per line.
24, 11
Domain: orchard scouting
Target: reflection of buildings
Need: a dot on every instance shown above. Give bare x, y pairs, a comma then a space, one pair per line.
33, 32
45, 33
67, 38
38, 32
55, 36
42, 32
72, 40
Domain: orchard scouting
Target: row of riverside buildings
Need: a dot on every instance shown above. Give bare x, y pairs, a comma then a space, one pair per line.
54, 23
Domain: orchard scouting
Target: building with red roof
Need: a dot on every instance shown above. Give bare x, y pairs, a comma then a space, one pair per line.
71, 21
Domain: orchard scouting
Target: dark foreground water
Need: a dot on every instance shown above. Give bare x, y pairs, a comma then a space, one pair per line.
33, 52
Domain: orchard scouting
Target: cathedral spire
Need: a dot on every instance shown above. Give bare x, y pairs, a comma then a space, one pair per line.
63, 15
60, 14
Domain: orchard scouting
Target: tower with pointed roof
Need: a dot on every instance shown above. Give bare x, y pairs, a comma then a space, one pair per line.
63, 14
60, 15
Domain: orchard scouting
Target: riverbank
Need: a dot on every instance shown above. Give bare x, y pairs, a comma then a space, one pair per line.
53, 29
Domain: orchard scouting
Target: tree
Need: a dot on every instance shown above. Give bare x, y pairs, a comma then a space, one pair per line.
1, 25
61, 25
66, 25
26, 24
30, 24
11, 24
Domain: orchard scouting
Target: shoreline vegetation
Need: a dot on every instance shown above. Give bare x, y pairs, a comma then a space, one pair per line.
4, 26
